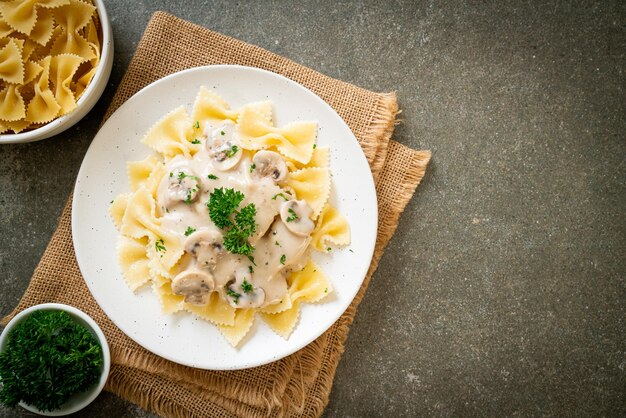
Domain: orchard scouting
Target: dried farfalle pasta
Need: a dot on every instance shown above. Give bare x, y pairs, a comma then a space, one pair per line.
49, 53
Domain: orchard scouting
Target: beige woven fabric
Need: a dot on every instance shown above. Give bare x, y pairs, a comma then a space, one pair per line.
300, 384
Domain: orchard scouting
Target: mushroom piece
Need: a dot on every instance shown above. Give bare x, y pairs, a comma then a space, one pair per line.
269, 164
205, 246
295, 214
223, 147
182, 184
195, 285
241, 293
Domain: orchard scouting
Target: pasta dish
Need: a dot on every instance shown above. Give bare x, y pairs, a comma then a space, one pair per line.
222, 217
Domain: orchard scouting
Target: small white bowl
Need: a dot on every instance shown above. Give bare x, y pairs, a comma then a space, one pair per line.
79, 400
89, 98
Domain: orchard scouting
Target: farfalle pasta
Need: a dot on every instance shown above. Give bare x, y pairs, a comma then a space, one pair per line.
49, 52
222, 218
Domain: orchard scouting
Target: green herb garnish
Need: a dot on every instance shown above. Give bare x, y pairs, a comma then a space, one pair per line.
190, 230
232, 151
251, 269
233, 295
223, 133
277, 243
328, 249
195, 189
195, 141
281, 195
212, 177
196, 125
47, 359
314, 146
222, 205
283, 258
293, 216
160, 245
252, 167
246, 287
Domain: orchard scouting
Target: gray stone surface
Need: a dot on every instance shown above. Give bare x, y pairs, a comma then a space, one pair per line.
502, 293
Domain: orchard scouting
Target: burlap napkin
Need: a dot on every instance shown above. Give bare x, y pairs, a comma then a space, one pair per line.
300, 384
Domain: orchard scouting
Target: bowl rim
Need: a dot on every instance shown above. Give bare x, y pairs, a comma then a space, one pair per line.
106, 354
41, 132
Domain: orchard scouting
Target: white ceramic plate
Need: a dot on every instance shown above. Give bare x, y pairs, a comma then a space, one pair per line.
182, 337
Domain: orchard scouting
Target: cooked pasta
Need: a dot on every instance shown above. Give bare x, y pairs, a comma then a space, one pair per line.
221, 219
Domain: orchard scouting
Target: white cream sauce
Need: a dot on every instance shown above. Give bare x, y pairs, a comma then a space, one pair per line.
181, 203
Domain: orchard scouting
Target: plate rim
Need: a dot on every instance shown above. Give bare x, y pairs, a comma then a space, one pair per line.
368, 254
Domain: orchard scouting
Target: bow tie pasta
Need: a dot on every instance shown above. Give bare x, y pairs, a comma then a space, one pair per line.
222, 218
49, 52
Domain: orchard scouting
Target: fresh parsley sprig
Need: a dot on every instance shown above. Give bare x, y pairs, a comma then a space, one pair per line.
239, 224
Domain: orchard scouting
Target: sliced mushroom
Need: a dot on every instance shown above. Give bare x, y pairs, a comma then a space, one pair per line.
296, 216
269, 164
195, 285
241, 293
223, 147
206, 246
182, 184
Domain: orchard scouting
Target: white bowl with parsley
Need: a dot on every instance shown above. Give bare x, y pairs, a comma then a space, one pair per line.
54, 360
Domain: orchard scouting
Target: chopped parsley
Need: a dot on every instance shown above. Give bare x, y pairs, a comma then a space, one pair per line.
246, 287
314, 146
196, 125
190, 230
195, 189
281, 195
277, 243
283, 258
252, 167
212, 177
223, 133
351, 250
182, 175
48, 357
160, 245
251, 269
326, 290
240, 224
233, 295
328, 249
293, 216
195, 141
232, 151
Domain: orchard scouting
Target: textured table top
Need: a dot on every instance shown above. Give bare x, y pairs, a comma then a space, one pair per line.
503, 290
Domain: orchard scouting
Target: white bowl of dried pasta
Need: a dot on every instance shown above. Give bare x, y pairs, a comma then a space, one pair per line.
61, 78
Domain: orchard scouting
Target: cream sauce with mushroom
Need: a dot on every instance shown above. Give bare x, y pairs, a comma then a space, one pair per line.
181, 203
